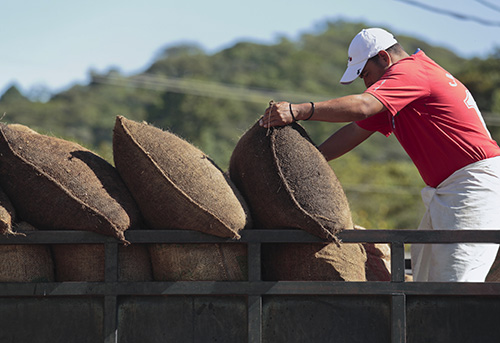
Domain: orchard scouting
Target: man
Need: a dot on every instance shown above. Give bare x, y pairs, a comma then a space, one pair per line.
436, 120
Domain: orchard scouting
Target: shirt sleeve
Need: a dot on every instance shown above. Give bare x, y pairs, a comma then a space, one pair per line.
402, 84
380, 122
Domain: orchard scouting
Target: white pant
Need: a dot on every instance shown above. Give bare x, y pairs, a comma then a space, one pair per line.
468, 199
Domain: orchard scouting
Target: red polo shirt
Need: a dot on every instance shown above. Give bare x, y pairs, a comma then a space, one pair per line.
433, 116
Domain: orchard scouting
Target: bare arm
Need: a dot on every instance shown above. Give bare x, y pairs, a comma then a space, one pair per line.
343, 141
344, 109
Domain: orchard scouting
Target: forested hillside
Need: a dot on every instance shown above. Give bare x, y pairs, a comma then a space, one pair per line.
212, 99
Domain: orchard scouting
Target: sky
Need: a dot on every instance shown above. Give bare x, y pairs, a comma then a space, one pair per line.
53, 45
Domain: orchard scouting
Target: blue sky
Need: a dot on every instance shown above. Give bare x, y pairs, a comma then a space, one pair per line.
54, 44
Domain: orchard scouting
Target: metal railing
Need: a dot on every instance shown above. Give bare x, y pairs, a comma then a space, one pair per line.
254, 288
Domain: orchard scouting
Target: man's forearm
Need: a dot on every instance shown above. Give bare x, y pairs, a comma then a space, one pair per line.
343, 141
344, 109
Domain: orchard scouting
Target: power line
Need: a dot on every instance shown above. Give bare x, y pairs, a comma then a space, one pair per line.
455, 14
489, 5
204, 88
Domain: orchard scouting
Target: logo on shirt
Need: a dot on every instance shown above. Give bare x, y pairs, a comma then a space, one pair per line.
453, 82
380, 85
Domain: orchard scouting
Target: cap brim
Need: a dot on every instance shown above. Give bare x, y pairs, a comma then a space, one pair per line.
352, 72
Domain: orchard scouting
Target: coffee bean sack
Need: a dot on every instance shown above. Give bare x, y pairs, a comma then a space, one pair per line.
25, 262
378, 262
78, 262
313, 262
287, 182
57, 184
20, 127
199, 262
174, 183
86, 262
7, 214
134, 263
494, 273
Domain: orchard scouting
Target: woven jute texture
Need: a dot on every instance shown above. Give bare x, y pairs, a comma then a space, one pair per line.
199, 262
314, 262
86, 262
57, 184
7, 214
287, 183
494, 273
175, 184
26, 262
378, 260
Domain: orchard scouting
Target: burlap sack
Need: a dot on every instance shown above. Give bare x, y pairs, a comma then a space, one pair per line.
134, 263
20, 127
494, 273
57, 184
175, 184
26, 262
199, 262
7, 214
378, 261
85, 262
313, 262
287, 183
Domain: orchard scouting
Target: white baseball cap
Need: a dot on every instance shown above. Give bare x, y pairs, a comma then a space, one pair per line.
364, 46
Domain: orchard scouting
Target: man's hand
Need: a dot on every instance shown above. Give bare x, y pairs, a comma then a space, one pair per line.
277, 114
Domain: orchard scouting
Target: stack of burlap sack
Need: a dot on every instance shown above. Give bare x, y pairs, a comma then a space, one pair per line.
277, 179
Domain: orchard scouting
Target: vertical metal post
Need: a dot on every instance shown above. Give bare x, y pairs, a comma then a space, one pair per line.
398, 318
110, 299
397, 262
254, 262
398, 300
110, 319
254, 310
254, 319
111, 262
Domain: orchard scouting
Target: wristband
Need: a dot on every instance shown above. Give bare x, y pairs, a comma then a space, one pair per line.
312, 111
291, 112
